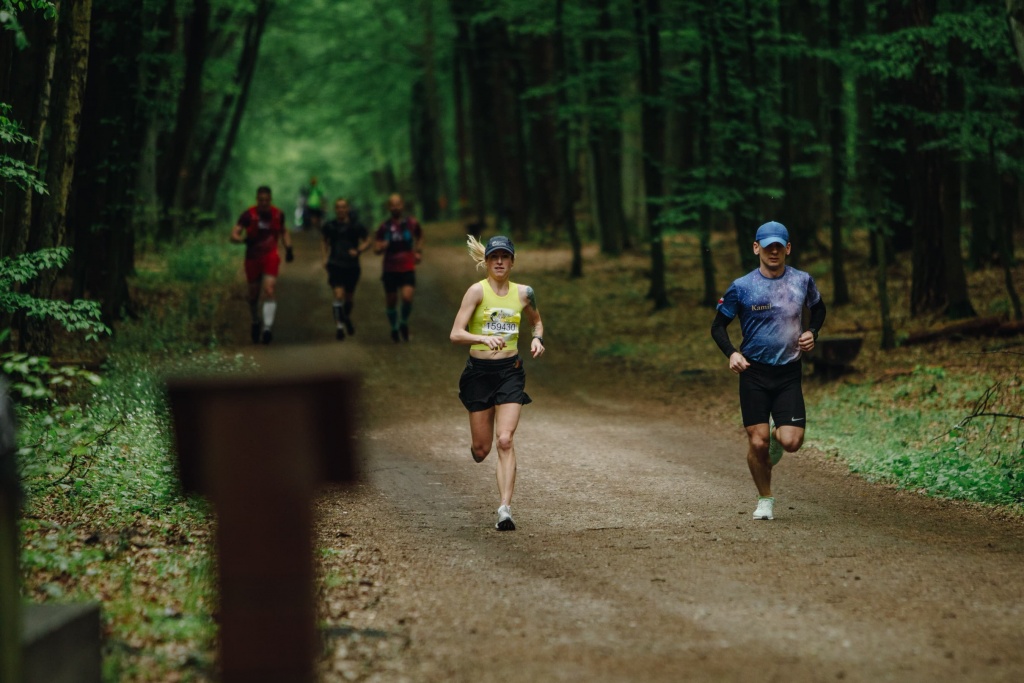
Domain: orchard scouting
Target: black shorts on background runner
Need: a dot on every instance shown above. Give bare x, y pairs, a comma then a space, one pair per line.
486, 383
773, 390
395, 281
346, 278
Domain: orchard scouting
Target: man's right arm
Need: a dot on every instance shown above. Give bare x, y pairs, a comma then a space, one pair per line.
721, 335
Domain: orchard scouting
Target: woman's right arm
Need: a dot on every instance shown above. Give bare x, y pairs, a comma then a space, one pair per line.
460, 334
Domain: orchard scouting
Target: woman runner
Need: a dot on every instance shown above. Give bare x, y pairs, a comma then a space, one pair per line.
492, 386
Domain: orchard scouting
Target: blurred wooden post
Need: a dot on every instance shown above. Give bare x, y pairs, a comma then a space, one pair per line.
258, 447
10, 499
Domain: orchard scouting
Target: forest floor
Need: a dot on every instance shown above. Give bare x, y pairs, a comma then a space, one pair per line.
635, 556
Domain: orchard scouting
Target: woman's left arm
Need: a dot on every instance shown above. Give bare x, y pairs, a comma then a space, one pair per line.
529, 300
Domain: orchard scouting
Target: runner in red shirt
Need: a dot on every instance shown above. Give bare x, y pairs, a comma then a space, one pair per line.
260, 228
400, 239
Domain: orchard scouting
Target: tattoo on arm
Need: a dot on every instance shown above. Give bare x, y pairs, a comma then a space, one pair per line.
531, 297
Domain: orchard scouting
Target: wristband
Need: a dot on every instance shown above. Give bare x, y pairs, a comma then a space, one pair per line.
541, 339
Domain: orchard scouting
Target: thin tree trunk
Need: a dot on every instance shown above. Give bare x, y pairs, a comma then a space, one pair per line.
605, 141
177, 167
565, 167
251, 50
30, 99
72, 63
1015, 17
707, 261
882, 278
461, 144
647, 14
433, 109
837, 145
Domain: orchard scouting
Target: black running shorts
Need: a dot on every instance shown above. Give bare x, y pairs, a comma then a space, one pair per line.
773, 390
346, 278
395, 281
486, 383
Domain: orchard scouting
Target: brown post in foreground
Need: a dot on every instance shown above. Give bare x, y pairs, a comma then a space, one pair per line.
258, 447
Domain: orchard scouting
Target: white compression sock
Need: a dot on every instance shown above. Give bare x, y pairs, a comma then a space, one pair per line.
269, 309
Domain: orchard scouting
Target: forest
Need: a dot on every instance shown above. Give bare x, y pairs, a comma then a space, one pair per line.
649, 136
130, 126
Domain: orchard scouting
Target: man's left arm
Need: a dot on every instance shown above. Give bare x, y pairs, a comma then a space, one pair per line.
418, 242
807, 339
286, 239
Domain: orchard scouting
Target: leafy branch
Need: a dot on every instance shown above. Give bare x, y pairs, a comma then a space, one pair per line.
80, 315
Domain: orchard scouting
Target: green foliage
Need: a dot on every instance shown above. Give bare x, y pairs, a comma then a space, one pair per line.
35, 380
9, 16
915, 434
15, 170
76, 316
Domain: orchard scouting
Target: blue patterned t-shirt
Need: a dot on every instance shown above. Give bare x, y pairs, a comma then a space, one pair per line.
770, 312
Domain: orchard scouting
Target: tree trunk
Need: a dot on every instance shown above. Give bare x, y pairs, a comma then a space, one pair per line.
69, 79
1015, 17
938, 281
647, 15
176, 166
565, 165
837, 146
421, 127
251, 50
432, 107
28, 91
803, 189
605, 139
882, 278
461, 135
704, 161
103, 214
542, 120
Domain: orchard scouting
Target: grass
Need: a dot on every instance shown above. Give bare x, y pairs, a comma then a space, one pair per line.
104, 518
898, 418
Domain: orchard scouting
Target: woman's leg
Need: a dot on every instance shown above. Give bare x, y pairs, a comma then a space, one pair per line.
481, 429
506, 420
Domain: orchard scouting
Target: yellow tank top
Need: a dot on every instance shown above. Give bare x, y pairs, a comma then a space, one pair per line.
498, 315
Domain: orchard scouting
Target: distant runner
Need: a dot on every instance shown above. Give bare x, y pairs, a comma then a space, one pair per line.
769, 302
493, 383
400, 239
315, 204
260, 228
344, 239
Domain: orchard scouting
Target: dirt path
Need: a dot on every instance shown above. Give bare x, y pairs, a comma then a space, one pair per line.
636, 558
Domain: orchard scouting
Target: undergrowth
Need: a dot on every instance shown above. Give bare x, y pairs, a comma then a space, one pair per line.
104, 518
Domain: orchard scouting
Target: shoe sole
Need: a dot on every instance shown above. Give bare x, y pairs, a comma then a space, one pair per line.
505, 525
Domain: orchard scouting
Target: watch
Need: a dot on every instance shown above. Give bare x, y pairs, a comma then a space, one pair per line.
540, 338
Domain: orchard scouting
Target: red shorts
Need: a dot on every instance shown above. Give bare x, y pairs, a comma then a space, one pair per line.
267, 264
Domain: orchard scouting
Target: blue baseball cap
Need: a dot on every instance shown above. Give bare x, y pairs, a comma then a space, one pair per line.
499, 243
772, 233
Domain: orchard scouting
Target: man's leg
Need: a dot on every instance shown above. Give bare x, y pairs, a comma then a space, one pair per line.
338, 310
391, 306
269, 306
253, 299
757, 459
403, 322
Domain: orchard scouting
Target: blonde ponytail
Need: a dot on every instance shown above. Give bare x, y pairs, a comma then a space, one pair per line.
476, 251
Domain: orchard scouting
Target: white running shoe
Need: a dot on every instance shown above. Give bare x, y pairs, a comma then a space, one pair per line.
774, 447
505, 522
765, 507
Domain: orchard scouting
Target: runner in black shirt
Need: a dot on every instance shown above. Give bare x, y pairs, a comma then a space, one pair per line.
344, 239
